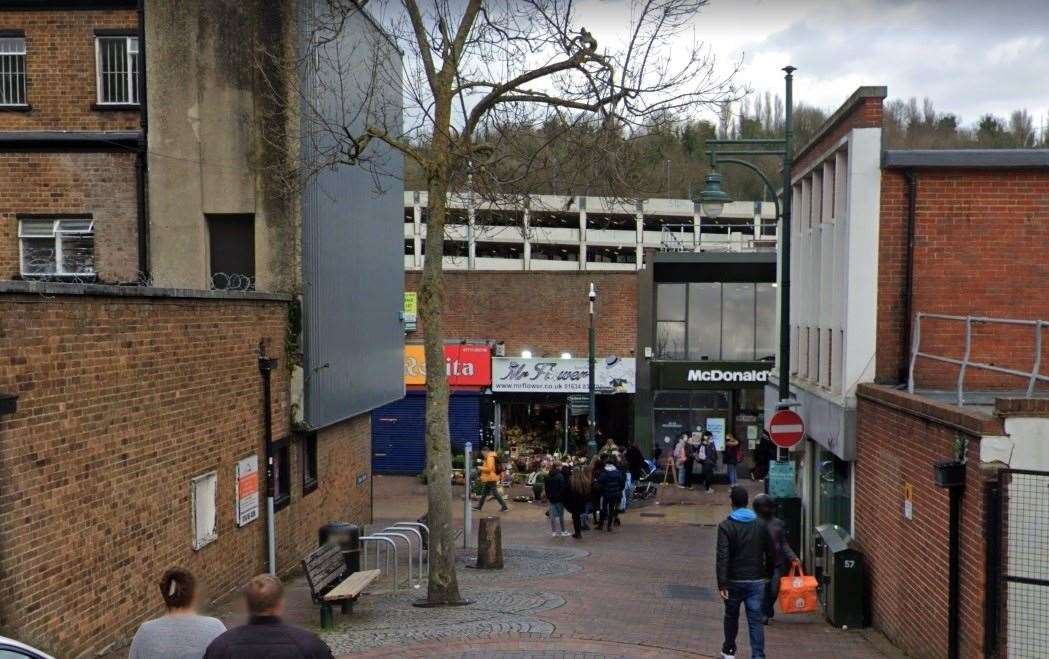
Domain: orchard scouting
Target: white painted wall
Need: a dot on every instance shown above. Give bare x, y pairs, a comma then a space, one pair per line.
1024, 446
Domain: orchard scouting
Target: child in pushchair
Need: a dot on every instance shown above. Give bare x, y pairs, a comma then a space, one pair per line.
646, 485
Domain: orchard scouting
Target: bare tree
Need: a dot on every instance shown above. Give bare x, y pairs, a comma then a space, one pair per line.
471, 70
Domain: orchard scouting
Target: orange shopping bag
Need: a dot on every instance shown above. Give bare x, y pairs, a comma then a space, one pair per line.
797, 592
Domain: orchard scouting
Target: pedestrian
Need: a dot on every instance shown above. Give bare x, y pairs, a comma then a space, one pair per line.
266, 635
181, 633
744, 564
555, 488
708, 460
733, 453
762, 455
490, 479
577, 496
611, 485
597, 467
679, 459
635, 460
691, 451
783, 556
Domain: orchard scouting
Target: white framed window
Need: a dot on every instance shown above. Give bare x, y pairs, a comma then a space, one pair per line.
12, 71
203, 490
116, 64
57, 247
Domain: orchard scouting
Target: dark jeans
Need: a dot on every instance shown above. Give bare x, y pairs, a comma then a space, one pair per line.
772, 588
751, 594
609, 510
491, 490
577, 523
689, 463
708, 475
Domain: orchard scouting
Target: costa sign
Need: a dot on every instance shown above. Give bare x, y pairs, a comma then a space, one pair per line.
464, 365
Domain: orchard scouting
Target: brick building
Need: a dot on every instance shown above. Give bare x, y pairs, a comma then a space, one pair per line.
878, 237
149, 256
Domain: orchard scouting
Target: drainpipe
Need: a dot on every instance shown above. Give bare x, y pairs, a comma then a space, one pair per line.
266, 366
908, 280
141, 164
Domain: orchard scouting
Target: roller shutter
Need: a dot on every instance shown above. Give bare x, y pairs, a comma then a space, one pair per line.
399, 430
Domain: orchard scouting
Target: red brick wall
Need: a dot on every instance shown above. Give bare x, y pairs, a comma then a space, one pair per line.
60, 68
908, 559
99, 185
545, 312
121, 402
866, 113
981, 248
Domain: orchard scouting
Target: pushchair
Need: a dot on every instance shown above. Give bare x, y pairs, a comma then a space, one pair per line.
646, 485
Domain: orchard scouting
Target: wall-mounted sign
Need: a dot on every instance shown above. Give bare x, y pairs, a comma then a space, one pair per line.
781, 479
246, 478
712, 375
716, 427
613, 375
466, 365
411, 310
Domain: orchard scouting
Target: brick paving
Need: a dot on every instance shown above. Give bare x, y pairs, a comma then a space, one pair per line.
646, 590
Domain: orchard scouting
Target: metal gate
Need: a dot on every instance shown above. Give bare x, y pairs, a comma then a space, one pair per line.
1022, 548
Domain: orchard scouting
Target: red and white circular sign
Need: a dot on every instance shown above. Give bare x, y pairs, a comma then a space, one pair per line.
786, 428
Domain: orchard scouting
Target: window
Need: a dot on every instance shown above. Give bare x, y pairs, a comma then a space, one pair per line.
12, 71
731, 321
670, 321
704, 321
202, 496
116, 63
231, 243
281, 474
309, 463
57, 248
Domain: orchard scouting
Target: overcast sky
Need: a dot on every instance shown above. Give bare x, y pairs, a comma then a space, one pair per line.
969, 56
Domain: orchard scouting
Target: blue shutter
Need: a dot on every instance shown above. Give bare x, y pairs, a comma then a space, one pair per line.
399, 431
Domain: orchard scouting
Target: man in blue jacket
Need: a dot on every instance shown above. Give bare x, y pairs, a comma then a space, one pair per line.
744, 562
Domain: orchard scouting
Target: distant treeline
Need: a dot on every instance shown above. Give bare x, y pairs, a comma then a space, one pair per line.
668, 157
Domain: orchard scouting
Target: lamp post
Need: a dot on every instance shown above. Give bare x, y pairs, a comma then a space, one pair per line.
591, 443
713, 199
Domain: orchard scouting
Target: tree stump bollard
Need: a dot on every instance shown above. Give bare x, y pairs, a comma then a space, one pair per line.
489, 544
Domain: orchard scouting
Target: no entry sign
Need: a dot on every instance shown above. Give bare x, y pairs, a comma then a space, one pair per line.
786, 428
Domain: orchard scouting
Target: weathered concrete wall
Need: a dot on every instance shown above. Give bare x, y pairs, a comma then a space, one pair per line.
216, 136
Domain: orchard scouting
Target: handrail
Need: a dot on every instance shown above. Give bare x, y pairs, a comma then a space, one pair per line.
685, 238
1033, 376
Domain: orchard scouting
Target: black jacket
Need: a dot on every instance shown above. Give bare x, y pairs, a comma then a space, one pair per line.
555, 487
636, 460
781, 550
611, 483
266, 637
745, 551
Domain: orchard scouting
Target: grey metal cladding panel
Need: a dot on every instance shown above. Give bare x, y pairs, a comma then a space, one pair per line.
961, 158
353, 265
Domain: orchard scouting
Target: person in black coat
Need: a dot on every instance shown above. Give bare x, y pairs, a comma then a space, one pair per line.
611, 483
597, 467
576, 497
635, 461
265, 636
555, 488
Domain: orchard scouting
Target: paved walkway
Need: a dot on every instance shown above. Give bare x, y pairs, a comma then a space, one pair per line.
646, 590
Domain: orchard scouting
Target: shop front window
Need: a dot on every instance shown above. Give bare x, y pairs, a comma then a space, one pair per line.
835, 500
675, 412
713, 321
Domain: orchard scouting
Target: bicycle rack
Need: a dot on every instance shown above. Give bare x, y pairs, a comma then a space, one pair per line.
407, 541
381, 541
415, 527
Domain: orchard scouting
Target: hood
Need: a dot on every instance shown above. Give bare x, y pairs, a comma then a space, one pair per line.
743, 515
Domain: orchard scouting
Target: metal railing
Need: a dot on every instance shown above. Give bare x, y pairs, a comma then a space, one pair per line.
743, 238
1033, 376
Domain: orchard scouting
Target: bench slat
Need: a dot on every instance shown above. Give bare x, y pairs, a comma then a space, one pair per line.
352, 586
323, 567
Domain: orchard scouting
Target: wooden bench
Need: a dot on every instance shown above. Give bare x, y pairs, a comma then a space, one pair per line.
331, 581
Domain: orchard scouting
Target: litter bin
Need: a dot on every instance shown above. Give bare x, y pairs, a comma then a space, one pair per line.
348, 537
842, 578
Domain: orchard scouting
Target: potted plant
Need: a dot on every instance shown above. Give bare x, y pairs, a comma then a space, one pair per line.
951, 473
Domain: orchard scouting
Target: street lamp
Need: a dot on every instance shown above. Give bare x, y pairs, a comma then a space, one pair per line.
591, 443
713, 198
